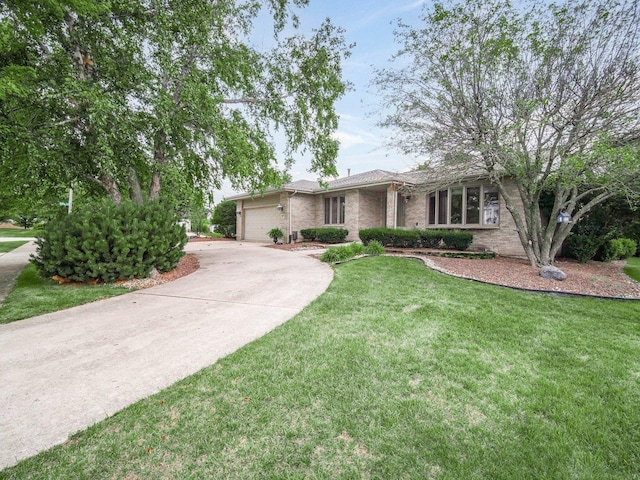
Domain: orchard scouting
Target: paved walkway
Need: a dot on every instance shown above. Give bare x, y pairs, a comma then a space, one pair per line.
12, 263
62, 372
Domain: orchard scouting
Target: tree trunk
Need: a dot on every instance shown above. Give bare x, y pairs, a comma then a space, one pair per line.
154, 189
160, 157
107, 182
135, 191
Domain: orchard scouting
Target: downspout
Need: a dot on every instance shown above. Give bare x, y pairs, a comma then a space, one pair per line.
395, 206
289, 208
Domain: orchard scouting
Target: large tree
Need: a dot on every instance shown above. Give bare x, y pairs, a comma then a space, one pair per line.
134, 90
545, 95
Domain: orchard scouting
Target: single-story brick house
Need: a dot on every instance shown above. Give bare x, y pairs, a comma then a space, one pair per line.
379, 198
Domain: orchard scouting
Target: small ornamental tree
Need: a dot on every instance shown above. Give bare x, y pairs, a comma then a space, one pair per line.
105, 242
536, 96
224, 218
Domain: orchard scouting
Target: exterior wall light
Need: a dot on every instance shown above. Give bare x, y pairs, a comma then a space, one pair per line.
563, 217
280, 207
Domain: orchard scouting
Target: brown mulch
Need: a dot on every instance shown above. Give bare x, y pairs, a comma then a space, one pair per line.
298, 246
210, 239
187, 264
593, 278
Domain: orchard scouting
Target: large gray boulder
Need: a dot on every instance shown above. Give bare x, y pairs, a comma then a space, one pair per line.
554, 273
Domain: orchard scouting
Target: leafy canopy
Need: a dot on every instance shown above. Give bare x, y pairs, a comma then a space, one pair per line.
119, 96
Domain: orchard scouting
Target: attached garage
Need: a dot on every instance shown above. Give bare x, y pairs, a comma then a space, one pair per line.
258, 221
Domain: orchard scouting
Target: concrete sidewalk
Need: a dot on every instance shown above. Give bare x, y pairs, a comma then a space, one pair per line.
13, 262
64, 371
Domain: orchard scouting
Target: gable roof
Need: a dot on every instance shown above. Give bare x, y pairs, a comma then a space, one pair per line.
365, 179
372, 177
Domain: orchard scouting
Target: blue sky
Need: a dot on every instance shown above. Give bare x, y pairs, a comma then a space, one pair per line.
369, 24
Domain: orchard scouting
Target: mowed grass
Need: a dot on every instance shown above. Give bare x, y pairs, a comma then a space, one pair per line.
396, 372
17, 232
33, 295
8, 246
632, 268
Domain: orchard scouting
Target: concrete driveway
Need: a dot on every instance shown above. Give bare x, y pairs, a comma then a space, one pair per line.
62, 372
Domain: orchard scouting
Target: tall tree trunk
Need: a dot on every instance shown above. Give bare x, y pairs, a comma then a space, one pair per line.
160, 157
154, 189
135, 191
110, 186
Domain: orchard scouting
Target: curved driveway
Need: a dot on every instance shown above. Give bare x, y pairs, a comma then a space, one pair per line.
62, 372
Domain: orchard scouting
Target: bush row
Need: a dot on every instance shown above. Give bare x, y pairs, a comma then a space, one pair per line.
324, 235
390, 237
584, 247
106, 242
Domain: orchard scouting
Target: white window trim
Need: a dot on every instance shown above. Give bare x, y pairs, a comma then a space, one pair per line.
462, 225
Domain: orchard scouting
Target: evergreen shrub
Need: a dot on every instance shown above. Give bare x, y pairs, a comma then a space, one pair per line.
381, 235
390, 237
105, 242
617, 249
324, 234
583, 247
405, 238
457, 239
431, 238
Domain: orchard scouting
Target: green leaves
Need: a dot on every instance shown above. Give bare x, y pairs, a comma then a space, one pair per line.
525, 94
130, 91
105, 242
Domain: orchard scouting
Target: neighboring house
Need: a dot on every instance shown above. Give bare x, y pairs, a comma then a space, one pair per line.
380, 199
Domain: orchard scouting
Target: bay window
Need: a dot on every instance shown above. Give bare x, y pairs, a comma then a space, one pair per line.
464, 206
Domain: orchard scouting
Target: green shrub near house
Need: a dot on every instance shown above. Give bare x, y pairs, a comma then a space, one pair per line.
617, 249
381, 235
456, 239
105, 242
583, 246
391, 237
324, 234
431, 238
405, 238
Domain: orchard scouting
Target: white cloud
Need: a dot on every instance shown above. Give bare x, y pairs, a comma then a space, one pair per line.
348, 140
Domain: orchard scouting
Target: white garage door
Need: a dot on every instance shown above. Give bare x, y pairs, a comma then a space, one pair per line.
258, 221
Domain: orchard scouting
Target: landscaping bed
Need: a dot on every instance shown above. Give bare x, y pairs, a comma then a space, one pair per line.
591, 278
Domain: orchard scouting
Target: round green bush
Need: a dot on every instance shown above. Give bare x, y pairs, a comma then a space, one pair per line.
105, 242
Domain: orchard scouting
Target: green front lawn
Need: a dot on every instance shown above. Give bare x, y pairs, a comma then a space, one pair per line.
33, 295
17, 232
632, 268
396, 371
8, 246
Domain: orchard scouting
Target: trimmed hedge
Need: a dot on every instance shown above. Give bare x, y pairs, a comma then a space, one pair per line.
431, 238
105, 242
380, 234
324, 234
457, 239
389, 237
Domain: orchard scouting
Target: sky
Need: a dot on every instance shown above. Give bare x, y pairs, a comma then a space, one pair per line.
369, 24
